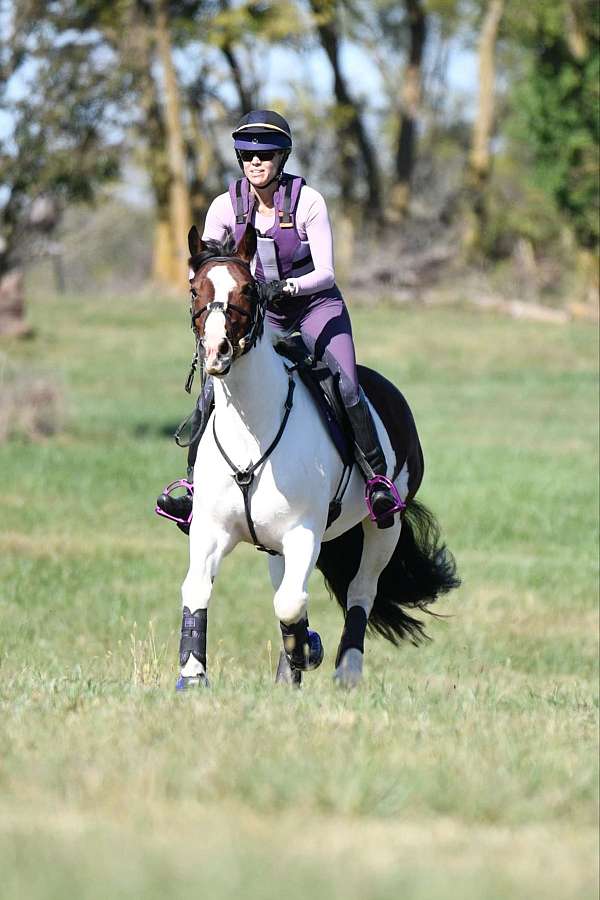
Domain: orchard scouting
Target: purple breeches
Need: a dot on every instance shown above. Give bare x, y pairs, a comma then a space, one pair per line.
325, 326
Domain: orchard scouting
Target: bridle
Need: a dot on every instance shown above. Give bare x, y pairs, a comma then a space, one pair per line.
256, 317
244, 478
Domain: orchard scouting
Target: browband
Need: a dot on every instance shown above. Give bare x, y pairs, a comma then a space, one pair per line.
234, 259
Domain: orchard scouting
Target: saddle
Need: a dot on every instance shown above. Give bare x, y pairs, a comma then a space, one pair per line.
387, 400
323, 386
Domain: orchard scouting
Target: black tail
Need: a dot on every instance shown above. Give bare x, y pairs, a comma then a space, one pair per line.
419, 571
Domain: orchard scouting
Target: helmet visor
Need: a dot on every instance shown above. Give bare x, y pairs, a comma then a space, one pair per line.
261, 140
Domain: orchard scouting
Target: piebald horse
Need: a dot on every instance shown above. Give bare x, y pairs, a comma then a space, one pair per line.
266, 432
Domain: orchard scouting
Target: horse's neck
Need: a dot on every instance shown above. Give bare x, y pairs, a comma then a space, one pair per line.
249, 401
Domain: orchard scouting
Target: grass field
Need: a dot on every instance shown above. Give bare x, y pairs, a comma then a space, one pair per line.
463, 769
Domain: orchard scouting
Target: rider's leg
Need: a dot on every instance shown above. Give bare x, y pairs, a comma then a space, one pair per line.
181, 507
328, 333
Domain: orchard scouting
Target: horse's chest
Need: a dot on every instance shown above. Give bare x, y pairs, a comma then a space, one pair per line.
291, 484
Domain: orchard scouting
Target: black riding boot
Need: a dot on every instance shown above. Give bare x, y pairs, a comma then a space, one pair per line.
371, 461
181, 507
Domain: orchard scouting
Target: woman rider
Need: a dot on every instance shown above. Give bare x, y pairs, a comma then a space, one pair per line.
295, 256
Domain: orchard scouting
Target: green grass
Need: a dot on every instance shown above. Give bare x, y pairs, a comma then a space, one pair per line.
463, 769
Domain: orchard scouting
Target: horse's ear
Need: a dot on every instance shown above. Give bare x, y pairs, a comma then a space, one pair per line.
247, 246
195, 242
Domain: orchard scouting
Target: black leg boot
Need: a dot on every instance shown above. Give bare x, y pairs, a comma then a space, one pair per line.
381, 494
179, 508
193, 643
302, 646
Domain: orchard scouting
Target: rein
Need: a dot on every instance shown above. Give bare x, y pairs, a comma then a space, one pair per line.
244, 477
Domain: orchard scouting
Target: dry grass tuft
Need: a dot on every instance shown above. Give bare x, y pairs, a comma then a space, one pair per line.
31, 405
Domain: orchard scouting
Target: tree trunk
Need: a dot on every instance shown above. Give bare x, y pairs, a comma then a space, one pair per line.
245, 94
353, 140
141, 48
576, 37
410, 103
180, 215
245, 97
480, 156
204, 163
12, 304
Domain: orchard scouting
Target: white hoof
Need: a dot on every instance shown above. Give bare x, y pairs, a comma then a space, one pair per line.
349, 672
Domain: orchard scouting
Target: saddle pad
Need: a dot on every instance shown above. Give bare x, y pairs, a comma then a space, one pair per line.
322, 387
390, 404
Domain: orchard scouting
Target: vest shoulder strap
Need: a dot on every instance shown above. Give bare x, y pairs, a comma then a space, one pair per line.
237, 197
289, 192
292, 185
285, 220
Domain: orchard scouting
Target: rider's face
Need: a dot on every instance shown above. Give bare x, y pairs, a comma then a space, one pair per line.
259, 172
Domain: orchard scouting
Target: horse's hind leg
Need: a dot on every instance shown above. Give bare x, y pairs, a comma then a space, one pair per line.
378, 548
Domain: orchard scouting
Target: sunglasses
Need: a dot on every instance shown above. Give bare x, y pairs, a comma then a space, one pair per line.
263, 155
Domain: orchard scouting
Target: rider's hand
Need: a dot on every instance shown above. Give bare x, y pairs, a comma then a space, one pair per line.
275, 291
291, 286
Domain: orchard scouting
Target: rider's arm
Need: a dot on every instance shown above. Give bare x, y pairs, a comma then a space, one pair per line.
220, 220
312, 223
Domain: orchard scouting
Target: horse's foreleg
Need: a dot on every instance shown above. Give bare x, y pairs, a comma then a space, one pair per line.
378, 548
303, 648
285, 674
205, 557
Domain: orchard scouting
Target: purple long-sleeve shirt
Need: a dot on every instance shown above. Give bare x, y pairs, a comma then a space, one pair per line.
312, 225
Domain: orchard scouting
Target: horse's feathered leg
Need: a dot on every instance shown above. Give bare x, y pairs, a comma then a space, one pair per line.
378, 548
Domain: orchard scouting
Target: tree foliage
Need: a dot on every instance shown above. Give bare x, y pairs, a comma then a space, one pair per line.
60, 146
556, 113
159, 83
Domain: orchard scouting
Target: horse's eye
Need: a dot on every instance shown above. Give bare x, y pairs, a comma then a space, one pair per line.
194, 293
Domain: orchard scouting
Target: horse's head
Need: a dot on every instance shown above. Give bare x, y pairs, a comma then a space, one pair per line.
227, 314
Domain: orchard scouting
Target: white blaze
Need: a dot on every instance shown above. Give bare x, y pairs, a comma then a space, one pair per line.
215, 327
223, 283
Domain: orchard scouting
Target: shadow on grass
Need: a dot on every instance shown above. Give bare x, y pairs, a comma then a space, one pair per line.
155, 429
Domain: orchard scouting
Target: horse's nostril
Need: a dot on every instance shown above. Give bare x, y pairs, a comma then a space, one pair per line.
223, 347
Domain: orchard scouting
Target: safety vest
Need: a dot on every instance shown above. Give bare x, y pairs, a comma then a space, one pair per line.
280, 252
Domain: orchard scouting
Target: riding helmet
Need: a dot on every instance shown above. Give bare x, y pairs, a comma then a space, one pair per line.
262, 129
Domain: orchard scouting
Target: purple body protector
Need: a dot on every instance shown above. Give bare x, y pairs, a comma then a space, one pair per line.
322, 317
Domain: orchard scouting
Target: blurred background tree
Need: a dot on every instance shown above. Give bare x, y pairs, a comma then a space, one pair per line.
449, 137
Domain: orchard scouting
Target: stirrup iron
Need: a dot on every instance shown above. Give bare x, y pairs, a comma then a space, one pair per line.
168, 491
371, 485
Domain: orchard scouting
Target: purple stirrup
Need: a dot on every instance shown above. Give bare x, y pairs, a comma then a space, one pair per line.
168, 491
399, 504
